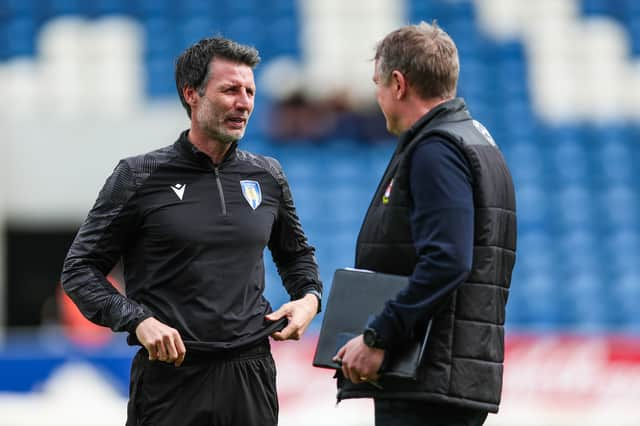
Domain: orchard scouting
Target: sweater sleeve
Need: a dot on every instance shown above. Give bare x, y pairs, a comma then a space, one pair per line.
442, 217
96, 249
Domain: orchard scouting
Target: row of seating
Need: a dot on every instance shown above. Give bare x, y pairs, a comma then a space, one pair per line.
44, 9
169, 26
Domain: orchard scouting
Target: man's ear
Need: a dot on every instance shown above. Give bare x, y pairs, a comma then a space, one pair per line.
190, 96
399, 84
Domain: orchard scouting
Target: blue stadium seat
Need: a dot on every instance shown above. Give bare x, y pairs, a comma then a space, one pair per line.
160, 81
346, 206
570, 162
97, 8
154, 8
160, 36
193, 9
21, 34
633, 25
625, 239
281, 37
21, 8
631, 7
445, 11
525, 160
597, 7
573, 206
614, 161
192, 29
542, 257
624, 302
64, 7
337, 249
620, 205
531, 201
621, 251
421, 11
245, 29
276, 9
510, 68
468, 39
4, 40
242, 8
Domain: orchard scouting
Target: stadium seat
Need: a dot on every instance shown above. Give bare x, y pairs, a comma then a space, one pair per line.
193, 28
99, 8
597, 7
154, 8
242, 8
193, 9
276, 9
161, 31
20, 8
63, 7
281, 37
245, 29
20, 37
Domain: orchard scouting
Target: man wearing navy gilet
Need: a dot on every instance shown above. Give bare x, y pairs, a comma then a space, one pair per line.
444, 215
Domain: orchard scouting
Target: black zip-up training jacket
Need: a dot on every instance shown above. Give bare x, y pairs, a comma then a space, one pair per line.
191, 235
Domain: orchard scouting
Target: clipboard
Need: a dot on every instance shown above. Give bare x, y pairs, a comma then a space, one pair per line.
355, 296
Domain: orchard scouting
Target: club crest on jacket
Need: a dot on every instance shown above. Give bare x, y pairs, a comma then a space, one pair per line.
252, 192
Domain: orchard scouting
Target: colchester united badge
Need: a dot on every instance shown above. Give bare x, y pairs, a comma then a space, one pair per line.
252, 192
387, 193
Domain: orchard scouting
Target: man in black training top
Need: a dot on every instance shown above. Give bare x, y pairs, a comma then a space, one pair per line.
444, 215
190, 222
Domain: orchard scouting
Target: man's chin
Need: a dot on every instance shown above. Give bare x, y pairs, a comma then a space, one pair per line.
235, 135
227, 138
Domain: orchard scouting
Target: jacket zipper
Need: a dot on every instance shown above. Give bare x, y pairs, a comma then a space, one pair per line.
220, 192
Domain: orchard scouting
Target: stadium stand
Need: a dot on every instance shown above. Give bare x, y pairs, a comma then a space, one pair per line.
575, 180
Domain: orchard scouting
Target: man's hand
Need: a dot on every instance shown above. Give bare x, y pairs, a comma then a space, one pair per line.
360, 363
161, 341
299, 313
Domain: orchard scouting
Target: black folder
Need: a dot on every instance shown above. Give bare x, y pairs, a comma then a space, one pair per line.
355, 296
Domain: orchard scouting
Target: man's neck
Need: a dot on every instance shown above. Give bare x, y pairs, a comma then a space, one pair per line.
417, 108
213, 148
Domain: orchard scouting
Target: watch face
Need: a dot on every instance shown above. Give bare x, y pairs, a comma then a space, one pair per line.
369, 337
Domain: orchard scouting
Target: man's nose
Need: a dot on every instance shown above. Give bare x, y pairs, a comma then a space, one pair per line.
244, 101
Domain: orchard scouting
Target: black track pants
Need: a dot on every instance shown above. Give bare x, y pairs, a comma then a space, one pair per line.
233, 389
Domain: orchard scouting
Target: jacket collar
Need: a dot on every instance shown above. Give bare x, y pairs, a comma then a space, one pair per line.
189, 150
451, 110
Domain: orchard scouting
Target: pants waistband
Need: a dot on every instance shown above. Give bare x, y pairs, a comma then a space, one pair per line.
256, 350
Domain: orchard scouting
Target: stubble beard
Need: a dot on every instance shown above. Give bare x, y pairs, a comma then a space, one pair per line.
212, 125
215, 133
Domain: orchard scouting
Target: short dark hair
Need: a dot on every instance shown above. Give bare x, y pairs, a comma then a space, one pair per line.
192, 66
425, 54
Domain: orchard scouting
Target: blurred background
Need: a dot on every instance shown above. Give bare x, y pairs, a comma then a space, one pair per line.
84, 83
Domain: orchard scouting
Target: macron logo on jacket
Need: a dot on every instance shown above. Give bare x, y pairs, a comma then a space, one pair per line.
178, 188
